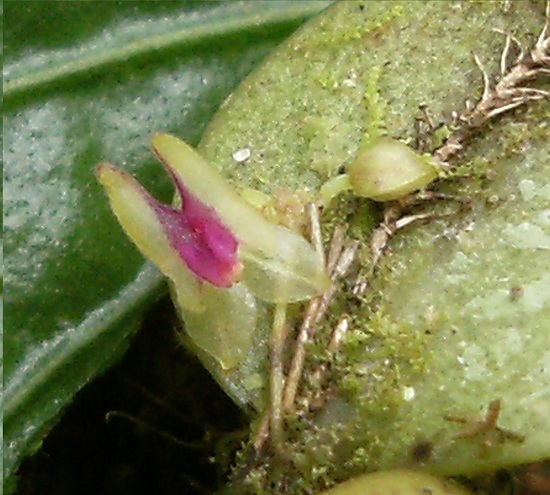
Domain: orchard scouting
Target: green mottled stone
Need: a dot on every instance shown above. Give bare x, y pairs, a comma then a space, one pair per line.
458, 314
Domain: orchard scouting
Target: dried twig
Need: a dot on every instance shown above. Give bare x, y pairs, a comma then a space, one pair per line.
313, 315
319, 375
509, 93
486, 425
315, 227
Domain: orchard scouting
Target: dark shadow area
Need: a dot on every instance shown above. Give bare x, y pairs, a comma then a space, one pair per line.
152, 424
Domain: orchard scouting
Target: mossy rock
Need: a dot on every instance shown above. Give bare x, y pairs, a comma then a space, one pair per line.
457, 315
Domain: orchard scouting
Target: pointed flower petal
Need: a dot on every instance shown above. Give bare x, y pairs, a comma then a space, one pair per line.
206, 183
292, 273
227, 327
172, 240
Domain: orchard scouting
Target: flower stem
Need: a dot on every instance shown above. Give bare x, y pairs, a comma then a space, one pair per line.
278, 337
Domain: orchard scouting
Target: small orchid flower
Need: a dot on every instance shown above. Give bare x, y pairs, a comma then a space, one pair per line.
213, 246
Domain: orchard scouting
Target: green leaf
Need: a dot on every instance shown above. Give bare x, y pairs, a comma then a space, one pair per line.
86, 82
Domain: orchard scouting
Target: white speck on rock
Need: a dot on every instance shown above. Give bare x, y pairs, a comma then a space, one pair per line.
408, 393
349, 83
241, 155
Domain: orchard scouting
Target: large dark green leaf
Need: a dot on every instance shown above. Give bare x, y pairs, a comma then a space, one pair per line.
86, 82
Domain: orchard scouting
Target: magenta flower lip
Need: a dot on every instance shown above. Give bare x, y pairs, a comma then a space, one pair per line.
203, 242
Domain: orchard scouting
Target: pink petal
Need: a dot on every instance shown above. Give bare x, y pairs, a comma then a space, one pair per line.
206, 245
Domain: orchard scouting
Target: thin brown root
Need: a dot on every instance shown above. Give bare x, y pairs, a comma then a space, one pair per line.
486, 80
153, 429
313, 315
315, 226
423, 196
395, 220
506, 51
319, 376
504, 56
509, 93
299, 355
487, 423
336, 247
262, 434
168, 407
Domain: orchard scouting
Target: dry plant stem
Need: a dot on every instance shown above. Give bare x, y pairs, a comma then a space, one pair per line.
509, 92
485, 425
272, 419
314, 313
320, 374
293, 378
262, 433
336, 247
299, 354
338, 334
277, 377
315, 225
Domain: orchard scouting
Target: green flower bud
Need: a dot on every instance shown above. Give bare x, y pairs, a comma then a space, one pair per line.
388, 169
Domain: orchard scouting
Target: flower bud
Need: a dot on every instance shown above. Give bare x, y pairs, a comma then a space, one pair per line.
388, 169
